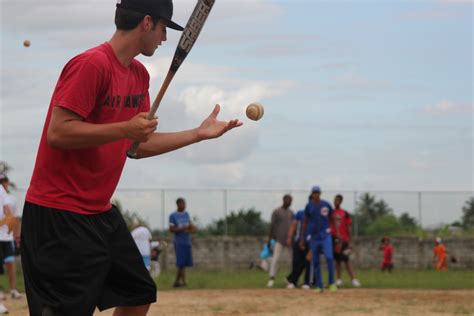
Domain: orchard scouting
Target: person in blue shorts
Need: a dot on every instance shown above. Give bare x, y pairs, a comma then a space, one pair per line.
182, 227
318, 216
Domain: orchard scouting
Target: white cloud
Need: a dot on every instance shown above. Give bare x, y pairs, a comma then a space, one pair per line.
353, 78
227, 174
198, 102
442, 9
447, 107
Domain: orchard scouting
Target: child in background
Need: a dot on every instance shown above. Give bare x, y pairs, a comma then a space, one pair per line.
439, 251
265, 256
387, 249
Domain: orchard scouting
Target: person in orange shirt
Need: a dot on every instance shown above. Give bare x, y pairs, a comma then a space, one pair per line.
439, 251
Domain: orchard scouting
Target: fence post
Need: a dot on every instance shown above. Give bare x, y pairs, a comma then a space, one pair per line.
225, 213
163, 209
356, 224
420, 210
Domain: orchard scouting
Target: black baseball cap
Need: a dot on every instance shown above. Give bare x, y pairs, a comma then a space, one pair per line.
154, 8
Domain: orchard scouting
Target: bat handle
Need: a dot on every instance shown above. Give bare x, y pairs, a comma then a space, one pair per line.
132, 152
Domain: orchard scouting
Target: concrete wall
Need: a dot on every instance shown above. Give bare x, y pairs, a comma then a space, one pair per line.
217, 253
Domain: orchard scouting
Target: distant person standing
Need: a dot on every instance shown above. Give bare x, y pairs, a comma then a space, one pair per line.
155, 259
4, 210
8, 238
341, 236
439, 252
386, 247
299, 262
279, 227
182, 227
142, 237
318, 214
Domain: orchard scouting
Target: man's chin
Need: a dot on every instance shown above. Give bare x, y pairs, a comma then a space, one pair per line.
149, 54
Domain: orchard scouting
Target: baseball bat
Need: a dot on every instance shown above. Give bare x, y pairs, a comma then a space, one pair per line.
188, 38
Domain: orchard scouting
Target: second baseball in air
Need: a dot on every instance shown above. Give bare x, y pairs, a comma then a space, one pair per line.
254, 111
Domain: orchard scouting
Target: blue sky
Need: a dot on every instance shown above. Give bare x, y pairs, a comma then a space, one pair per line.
358, 95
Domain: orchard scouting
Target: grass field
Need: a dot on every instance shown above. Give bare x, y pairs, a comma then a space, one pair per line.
371, 279
404, 292
404, 279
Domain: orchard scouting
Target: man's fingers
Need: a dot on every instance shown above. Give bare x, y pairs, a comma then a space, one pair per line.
216, 111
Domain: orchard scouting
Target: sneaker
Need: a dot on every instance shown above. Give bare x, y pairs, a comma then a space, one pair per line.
356, 283
15, 294
333, 287
3, 309
318, 290
305, 287
270, 283
290, 286
339, 282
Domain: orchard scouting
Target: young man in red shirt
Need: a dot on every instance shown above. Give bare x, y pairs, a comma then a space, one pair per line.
77, 253
341, 233
386, 247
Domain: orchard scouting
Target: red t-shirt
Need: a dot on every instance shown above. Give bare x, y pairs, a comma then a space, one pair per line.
96, 86
340, 224
387, 253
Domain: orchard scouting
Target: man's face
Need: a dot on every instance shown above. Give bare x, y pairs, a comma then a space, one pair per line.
181, 206
153, 36
6, 185
287, 201
337, 201
316, 196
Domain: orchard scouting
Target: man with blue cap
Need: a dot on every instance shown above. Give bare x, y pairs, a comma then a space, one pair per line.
317, 216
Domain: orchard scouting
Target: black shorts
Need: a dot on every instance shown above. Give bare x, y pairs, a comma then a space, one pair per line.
340, 256
7, 249
74, 263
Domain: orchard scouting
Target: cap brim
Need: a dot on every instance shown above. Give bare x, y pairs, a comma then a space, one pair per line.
173, 25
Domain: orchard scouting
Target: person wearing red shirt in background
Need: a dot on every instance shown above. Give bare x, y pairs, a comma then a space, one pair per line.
341, 233
77, 253
387, 249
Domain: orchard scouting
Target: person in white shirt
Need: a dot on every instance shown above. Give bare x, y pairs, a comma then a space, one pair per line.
142, 237
4, 209
9, 237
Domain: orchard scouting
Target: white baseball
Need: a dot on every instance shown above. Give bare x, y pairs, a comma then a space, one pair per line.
254, 111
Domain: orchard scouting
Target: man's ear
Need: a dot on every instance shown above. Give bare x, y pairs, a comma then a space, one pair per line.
147, 23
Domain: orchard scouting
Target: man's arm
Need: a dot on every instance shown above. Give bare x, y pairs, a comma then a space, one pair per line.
175, 229
270, 230
67, 130
303, 232
160, 143
291, 233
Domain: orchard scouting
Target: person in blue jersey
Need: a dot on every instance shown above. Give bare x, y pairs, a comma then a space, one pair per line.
318, 216
182, 227
299, 262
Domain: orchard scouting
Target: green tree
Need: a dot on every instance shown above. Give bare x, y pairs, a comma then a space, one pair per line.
407, 223
242, 223
5, 168
368, 210
384, 225
129, 216
468, 214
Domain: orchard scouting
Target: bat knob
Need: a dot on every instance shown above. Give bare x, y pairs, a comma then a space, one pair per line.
131, 154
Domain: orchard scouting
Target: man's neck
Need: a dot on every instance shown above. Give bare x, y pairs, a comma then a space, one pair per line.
124, 46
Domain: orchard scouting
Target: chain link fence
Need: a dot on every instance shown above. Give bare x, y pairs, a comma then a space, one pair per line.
430, 209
